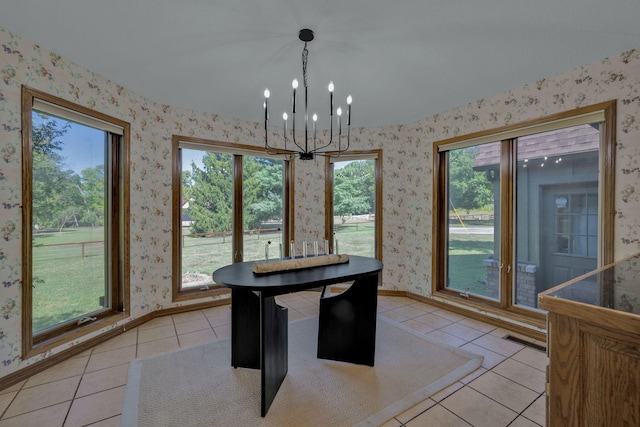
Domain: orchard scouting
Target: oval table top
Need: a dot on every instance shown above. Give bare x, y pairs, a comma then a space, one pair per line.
241, 275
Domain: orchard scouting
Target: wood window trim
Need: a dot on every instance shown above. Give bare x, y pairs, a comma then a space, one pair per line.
505, 307
33, 345
179, 294
375, 155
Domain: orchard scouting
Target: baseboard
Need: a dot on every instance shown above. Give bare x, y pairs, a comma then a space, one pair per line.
519, 324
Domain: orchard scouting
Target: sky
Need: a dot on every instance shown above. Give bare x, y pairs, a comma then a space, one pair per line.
83, 146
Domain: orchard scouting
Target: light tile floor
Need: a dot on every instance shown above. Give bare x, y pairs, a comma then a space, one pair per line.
87, 390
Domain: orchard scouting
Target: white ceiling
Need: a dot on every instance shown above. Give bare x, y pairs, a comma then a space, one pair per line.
401, 60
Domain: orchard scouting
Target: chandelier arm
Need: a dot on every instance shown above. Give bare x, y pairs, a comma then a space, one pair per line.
322, 147
339, 150
268, 148
298, 145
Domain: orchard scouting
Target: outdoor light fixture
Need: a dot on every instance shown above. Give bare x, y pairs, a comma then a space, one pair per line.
308, 149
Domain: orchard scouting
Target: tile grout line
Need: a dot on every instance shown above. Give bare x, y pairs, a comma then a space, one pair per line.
381, 309
521, 414
488, 370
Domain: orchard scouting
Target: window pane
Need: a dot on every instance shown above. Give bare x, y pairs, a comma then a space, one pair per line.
473, 211
68, 221
556, 209
262, 189
354, 196
207, 198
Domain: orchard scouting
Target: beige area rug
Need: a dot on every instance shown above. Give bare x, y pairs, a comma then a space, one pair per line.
198, 387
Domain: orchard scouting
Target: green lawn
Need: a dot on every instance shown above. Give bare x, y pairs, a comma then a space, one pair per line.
66, 285
356, 239
466, 255
203, 255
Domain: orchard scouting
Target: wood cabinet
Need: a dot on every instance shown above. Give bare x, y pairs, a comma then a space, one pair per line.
593, 340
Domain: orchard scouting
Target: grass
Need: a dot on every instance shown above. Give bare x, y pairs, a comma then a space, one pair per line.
356, 239
466, 255
66, 285
203, 255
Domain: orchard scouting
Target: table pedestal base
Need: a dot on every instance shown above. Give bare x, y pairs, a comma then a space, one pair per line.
347, 329
257, 322
259, 326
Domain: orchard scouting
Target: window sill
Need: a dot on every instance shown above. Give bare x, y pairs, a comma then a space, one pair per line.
68, 337
529, 326
216, 292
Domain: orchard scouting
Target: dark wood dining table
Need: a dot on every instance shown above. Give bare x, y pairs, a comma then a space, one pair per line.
259, 326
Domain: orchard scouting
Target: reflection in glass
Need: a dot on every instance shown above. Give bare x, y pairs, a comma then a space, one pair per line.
556, 209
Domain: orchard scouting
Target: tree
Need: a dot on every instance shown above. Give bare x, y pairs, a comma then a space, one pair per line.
354, 189
262, 191
59, 195
468, 189
210, 193
45, 135
49, 186
91, 187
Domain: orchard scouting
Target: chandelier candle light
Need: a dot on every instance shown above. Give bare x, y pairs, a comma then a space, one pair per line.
309, 150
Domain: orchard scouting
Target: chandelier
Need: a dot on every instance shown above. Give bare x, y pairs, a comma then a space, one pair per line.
308, 148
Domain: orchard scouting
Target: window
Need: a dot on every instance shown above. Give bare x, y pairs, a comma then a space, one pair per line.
521, 209
472, 240
354, 201
74, 186
231, 205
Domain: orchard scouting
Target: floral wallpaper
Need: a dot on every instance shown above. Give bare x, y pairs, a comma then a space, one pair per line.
407, 170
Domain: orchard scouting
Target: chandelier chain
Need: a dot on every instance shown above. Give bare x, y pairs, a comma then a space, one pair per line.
305, 58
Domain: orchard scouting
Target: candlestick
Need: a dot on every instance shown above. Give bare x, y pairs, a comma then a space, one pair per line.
280, 244
315, 248
285, 117
315, 119
349, 100
331, 98
266, 106
294, 85
292, 250
304, 249
339, 121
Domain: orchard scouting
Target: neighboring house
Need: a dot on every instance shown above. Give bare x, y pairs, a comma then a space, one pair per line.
185, 218
557, 208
